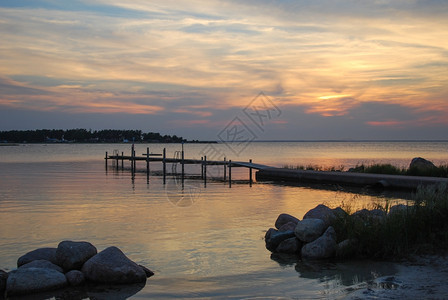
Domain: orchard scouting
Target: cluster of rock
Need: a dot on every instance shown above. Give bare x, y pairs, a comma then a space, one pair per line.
70, 264
313, 237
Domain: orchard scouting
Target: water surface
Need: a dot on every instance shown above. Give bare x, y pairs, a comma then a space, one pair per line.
200, 242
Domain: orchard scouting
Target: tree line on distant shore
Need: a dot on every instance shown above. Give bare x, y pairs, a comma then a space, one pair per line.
85, 136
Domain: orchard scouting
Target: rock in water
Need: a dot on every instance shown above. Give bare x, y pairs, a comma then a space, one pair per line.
289, 246
34, 280
75, 278
421, 164
290, 226
322, 212
72, 255
44, 264
308, 230
148, 272
112, 266
273, 238
322, 248
3, 278
41, 253
283, 219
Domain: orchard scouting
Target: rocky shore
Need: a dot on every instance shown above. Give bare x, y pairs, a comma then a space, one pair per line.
314, 237
71, 264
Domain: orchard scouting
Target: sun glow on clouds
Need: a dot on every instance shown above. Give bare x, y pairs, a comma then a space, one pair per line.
200, 58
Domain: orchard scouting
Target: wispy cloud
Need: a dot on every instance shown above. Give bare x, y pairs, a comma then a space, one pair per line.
161, 57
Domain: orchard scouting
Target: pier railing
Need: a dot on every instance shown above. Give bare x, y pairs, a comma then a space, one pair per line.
179, 158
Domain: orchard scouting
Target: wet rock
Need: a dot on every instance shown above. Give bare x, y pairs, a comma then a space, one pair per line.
3, 278
34, 280
322, 248
112, 266
290, 226
308, 230
289, 246
339, 212
72, 255
273, 238
75, 278
283, 219
322, 212
421, 164
38, 254
148, 272
44, 264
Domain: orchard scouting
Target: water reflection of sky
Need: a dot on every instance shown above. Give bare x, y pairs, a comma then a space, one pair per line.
210, 246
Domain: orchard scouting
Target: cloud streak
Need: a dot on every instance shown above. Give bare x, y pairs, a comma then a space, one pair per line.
200, 60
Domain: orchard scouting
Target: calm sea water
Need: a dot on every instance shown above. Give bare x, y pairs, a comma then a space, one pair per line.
200, 241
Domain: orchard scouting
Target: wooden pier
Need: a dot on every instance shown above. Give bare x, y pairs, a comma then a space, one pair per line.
265, 172
179, 158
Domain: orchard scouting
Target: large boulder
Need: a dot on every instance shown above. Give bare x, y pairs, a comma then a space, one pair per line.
339, 212
3, 278
308, 230
38, 254
290, 226
273, 238
34, 280
289, 246
72, 255
147, 271
75, 278
322, 248
421, 164
282, 219
44, 264
112, 266
322, 212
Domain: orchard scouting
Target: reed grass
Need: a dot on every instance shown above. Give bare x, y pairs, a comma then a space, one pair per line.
418, 228
437, 171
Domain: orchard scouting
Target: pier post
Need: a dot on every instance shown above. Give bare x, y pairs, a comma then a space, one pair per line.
250, 173
202, 167
230, 173
183, 163
147, 163
225, 169
117, 159
205, 170
122, 160
132, 159
135, 161
106, 160
164, 165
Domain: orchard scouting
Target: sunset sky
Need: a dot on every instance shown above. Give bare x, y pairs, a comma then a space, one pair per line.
329, 69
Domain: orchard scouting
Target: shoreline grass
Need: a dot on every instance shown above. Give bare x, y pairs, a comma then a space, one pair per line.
437, 171
412, 229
